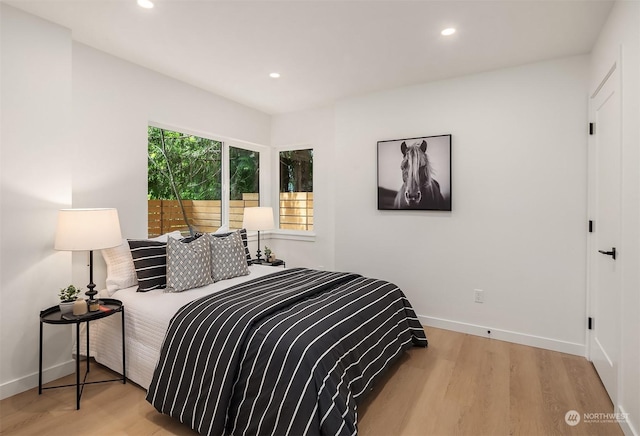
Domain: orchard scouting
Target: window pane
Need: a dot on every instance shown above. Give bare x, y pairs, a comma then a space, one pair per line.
296, 189
185, 182
244, 183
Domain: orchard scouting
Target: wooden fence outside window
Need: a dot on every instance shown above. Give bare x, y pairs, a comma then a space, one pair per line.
296, 213
296, 210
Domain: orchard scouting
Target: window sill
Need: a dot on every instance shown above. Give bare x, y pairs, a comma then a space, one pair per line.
291, 235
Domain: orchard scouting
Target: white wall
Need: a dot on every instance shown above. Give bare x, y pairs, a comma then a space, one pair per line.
113, 103
35, 169
74, 133
304, 129
621, 35
517, 229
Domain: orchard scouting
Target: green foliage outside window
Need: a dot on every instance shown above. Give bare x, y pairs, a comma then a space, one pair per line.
192, 163
296, 171
244, 172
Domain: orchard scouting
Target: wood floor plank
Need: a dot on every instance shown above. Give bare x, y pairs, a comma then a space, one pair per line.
397, 393
459, 385
430, 402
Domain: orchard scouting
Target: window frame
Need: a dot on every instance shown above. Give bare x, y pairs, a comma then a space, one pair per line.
264, 163
278, 233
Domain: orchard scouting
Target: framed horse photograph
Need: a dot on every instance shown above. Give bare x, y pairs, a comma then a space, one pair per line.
415, 173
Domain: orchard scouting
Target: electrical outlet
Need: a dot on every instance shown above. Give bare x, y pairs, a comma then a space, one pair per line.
478, 295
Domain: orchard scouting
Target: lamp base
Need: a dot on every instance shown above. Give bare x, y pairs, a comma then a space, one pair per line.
92, 304
258, 254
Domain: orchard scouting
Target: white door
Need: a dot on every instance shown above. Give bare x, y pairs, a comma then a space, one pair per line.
605, 303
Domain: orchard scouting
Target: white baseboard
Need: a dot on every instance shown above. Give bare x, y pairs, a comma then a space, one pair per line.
505, 335
30, 381
626, 426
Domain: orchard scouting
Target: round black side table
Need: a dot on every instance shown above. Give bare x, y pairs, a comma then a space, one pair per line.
52, 315
277, 262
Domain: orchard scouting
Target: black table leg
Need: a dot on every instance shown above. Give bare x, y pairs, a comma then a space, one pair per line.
40, 363
88, 322
77, 366
124, 364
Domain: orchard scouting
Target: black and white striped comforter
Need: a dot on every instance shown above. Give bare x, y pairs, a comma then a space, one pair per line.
288, 353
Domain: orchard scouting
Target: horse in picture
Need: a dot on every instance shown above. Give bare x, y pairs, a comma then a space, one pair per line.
419, 190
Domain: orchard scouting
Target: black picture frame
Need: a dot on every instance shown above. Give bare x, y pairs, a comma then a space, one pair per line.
425, 162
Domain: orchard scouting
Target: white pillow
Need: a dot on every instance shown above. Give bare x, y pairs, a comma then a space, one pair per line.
121, 273
164, 238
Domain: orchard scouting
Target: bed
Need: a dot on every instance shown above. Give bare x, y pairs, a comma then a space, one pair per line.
277, 351
147, 317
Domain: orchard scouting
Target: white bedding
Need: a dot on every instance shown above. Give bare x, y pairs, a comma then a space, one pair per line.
147, 316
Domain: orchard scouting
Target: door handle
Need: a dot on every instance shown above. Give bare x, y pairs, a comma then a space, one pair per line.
611, 253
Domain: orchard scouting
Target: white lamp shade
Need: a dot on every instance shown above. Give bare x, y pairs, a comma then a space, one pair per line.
87, 229
258, 218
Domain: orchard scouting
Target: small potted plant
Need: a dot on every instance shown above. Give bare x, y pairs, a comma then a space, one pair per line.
271, 257
67, 296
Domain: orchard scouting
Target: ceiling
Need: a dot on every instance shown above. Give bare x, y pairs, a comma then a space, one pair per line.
325, 50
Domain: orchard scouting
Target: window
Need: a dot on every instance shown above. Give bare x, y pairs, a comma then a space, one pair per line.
244, 183
296, 189
185, 182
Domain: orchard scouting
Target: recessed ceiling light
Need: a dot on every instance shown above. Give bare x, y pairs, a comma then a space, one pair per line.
147, 4
274, 75
448, 31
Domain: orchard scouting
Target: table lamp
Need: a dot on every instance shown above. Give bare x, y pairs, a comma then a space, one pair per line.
258, 218
88, 230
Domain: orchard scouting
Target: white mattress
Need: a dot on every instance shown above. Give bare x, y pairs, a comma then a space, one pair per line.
147, 316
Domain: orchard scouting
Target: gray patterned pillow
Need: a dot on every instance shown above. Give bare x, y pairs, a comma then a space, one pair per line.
228, 257
243, 235
188, 264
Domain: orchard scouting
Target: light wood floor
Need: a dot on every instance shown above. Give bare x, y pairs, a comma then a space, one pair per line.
459, 385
